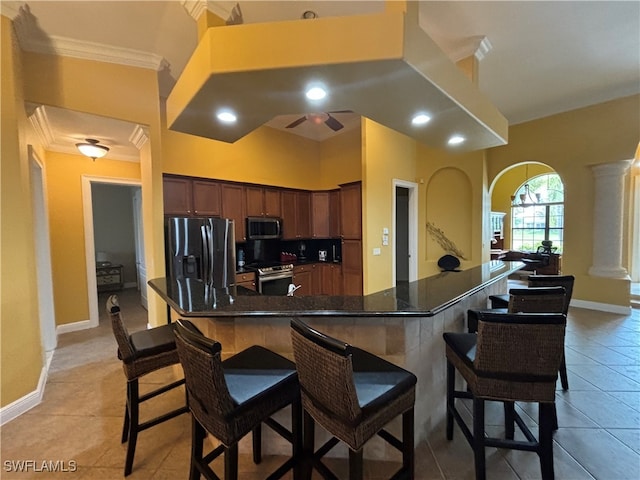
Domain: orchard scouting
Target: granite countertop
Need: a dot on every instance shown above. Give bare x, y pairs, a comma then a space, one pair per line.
425, 297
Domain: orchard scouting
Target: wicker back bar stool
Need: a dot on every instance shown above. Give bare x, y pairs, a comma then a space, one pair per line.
141, 353
353, 395
231, 398
566, 281
541, 298
513, 358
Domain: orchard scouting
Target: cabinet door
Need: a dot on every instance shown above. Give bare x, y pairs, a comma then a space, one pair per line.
352, 267
206, 198
336, 280
351, 211
326, 278
303, 215
246, 280
334, 213
255, 201
272, 202
302, 276
320, 214
317, 271
233, 208
177, 196
288, 202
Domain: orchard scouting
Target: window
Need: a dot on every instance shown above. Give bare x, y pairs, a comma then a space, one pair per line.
537, 213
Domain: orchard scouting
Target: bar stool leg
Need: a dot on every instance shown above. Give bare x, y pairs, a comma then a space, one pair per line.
355, 464
231, 462
451, 378
257, 444
478, 438
564, 380
198, 435
545, 419
133, 408
308, 432
408, 453
509, 420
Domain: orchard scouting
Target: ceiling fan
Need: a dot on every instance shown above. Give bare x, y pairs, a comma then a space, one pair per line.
321, 117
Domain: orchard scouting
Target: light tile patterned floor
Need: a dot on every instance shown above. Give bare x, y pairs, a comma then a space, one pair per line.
80, 418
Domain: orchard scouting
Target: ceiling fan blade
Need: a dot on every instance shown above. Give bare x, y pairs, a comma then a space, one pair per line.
341, 111
333, 124
296, 122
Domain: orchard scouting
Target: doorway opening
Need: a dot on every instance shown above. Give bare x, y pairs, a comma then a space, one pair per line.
405, 232
113, 234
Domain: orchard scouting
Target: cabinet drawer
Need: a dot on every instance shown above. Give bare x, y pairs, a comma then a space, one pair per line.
245, 277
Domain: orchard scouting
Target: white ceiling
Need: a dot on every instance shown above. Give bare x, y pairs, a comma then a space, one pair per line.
545, 57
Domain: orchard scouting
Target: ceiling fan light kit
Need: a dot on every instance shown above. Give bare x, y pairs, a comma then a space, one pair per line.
92, 148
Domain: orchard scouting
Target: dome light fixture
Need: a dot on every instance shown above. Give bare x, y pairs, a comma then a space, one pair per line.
92, 149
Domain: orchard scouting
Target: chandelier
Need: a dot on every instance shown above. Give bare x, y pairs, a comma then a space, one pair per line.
526, 198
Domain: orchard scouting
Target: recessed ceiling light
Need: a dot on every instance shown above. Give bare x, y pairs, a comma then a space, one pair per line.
226, 116
420, 119
456, 140
316, 93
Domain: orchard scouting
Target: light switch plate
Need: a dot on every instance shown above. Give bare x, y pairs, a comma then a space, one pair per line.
376, 251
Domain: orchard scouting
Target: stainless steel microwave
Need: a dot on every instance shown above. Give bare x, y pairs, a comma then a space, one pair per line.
261, 228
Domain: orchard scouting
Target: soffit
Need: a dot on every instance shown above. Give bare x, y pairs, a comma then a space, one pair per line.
261, 71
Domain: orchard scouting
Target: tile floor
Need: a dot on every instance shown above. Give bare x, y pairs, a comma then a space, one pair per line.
80, 418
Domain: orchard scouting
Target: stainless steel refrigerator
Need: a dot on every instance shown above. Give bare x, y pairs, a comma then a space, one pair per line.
201, 249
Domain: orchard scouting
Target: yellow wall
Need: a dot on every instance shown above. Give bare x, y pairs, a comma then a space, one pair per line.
68, 257
340, 159
115, 91
451, 186
569, 143
387, 155
20, 351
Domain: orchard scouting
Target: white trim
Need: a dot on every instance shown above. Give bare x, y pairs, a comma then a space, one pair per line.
603, 307
130, 285
139, 136
413, 228
74, 326
42, 126
89, 243
26, 403
99, 52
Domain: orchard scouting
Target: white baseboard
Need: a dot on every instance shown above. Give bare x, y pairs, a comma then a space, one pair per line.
73, 327
26, 403
130, 285
603, 307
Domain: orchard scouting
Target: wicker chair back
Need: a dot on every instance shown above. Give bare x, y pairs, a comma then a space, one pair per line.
537, 300
565, 281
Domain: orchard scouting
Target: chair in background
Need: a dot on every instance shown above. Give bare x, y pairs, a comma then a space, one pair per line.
566, 281
531, 300
513, 358
233, 397
141, 353
353, 395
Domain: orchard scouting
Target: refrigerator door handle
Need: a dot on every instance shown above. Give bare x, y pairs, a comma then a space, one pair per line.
205, 253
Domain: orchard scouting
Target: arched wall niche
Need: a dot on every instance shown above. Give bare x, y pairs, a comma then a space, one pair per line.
449, 207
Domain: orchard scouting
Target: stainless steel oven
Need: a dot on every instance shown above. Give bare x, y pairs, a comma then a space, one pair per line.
275, 280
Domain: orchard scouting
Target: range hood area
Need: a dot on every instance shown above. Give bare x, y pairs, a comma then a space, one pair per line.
382, 66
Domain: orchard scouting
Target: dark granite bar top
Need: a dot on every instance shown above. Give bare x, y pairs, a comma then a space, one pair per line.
425, 297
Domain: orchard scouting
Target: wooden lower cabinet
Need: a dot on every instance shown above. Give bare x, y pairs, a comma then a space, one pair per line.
352, 267
246, 280
302, 275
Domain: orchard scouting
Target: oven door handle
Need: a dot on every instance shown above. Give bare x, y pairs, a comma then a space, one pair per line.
276, 277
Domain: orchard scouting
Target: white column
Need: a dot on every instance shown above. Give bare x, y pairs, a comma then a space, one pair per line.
607, 219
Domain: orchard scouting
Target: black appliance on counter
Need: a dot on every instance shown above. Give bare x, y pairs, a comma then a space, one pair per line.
201, 249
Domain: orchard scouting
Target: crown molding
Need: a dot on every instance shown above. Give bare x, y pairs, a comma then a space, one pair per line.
139, 136
10, 9
42, 127
483, 48
69, 47
223, 9
478, 46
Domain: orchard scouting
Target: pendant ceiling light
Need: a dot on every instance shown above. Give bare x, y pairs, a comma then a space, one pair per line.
92, 149
526, 198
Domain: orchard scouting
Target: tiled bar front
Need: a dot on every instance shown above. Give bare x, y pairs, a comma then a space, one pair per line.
413, 342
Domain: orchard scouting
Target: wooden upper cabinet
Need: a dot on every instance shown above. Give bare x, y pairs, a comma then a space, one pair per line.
288, 210
272, 206
233, 208
351, 211
303, 214
320, 214
262, 202
177, 196
334, 213
206, 198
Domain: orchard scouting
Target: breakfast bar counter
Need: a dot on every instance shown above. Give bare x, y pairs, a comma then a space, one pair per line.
403, 325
